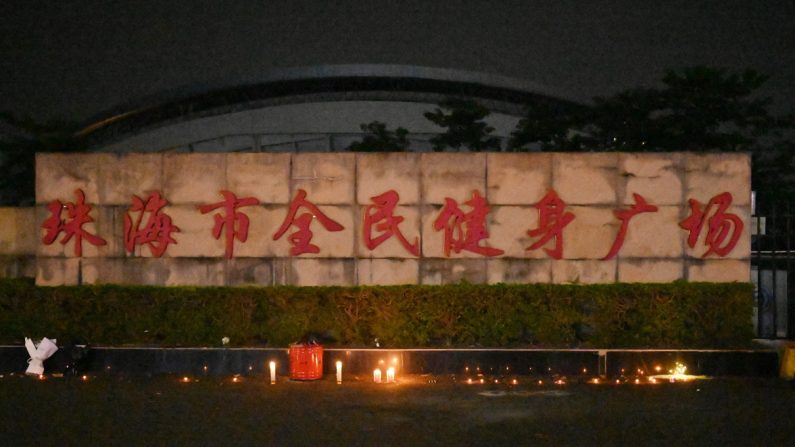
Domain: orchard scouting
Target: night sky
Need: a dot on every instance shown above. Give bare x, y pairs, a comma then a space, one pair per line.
78, 59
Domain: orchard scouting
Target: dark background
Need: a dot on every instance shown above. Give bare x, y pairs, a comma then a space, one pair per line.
74, 60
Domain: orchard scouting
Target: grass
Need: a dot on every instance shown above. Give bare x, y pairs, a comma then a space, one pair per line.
121, 410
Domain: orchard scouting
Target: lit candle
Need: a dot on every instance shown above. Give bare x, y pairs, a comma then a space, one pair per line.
377, 375
390, 375
273, 372
339, 371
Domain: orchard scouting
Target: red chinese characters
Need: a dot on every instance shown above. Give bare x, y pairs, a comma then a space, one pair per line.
381, 216
464, 231
723, 229
156, 232
146, 223
234, 222
640, 206
301, 239
551, 221
77, 213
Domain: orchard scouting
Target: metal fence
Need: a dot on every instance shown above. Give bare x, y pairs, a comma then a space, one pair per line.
291, 142
772, 262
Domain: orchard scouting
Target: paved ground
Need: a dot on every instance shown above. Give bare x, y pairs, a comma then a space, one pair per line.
115, 410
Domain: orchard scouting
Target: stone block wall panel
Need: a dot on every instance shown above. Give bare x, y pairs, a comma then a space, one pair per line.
654, 234
718, 270
711, 174
585, 179
136, 271
378, 173
263, 223
391, 247
263, 175
59, 175
508, 229
658, 178
520, 271
327, 178
587, 271
249, 272
433, 240
518, 178
57, 271
196, 271
591, 234
742, 249
18, 235
451, 271
106, 224
122, 176
650, 270
195, 236
451, 175
388, 271
195, 179
323, 272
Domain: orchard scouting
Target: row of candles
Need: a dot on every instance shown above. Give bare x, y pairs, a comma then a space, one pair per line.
377, 373
678, 373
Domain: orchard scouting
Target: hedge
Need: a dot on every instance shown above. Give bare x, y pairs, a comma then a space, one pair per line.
673, 315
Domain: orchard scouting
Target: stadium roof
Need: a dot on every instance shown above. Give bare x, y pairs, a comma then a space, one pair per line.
325, 83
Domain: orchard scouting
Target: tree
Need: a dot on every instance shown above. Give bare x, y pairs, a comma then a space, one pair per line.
381, 139
545, 127
774, 173
18, 156
696, 109
463, 121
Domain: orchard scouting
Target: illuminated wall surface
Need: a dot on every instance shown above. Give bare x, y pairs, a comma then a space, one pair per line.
389, 218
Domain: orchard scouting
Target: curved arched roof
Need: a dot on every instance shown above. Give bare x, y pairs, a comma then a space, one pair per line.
324, 83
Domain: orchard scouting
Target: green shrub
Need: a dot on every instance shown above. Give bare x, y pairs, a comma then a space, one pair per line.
674, 315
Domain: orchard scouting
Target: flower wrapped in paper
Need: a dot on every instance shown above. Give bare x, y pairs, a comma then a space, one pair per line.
38, 354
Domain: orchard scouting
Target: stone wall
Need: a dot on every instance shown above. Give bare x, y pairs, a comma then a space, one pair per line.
592, 186
17, 242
